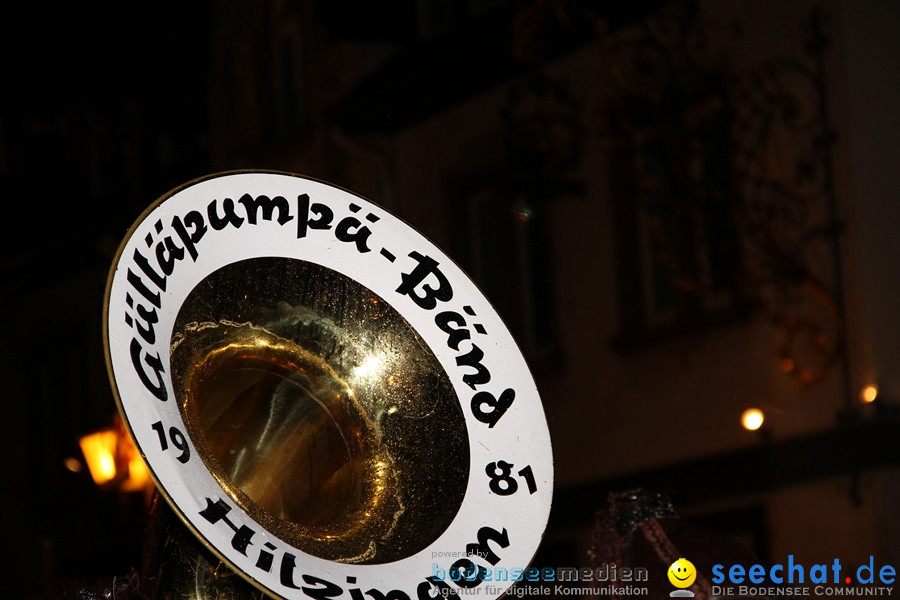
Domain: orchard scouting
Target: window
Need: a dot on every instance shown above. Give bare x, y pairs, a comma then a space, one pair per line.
677, 243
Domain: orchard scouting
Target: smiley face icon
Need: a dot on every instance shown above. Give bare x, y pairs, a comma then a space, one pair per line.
682, 573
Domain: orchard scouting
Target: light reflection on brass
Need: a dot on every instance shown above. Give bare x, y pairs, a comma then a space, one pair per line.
319, 410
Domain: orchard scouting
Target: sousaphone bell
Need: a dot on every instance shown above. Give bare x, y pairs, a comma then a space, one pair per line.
328, 406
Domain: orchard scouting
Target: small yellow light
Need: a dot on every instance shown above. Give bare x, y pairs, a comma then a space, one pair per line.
99, 451
752, 419
113, 461
138, 475
73, 464
869, 393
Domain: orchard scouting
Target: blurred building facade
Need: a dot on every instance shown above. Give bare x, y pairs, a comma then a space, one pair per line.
664, 203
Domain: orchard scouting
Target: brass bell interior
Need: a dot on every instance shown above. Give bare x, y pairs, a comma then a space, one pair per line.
319, 410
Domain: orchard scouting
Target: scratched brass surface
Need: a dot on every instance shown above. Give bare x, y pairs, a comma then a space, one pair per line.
319, 410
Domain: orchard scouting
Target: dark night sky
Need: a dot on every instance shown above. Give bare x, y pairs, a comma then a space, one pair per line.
66, 53
75, 77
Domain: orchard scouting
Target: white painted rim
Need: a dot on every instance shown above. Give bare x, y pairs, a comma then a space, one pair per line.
519, 438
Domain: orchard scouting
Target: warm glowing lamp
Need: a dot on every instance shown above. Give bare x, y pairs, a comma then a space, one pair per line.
138, 475
112, 459
752, 419
869, 393
99, 451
